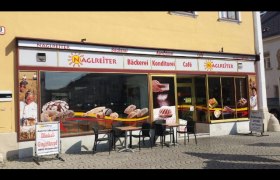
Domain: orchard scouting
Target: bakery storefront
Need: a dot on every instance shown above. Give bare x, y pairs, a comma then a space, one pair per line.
80, 83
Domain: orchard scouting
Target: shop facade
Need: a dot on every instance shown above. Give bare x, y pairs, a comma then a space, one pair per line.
78, 79
111, 60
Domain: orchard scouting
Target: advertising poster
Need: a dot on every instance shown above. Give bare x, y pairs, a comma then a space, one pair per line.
28, 111
47, 138
253, 92
164, 99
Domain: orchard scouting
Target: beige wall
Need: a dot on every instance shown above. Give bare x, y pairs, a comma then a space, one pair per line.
145, 29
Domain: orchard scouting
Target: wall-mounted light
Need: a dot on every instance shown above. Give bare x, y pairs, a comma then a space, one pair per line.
83, 40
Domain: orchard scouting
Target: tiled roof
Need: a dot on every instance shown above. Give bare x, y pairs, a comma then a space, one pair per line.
270, 24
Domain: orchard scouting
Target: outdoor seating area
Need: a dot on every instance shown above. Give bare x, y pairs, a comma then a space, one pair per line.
122, 136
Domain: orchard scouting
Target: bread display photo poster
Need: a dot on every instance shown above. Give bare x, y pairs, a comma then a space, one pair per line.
253, 101
164, 99
28, 108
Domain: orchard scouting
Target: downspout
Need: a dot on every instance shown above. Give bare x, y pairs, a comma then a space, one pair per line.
261, 91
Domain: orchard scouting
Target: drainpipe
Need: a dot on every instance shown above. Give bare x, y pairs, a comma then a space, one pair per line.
262, 100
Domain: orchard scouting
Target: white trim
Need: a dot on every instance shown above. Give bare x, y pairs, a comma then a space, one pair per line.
260, 70
220, 15
239, 16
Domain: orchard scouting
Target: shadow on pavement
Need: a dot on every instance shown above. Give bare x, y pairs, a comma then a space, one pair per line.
230, 157
214, 164
265, 144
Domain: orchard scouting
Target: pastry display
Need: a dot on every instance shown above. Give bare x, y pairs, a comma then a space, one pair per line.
56, 105
134, 113
241, 102
129, 109
212, 103
165, 111
217, 113
114, 115
49, 115
55, 111
95, 110
100, 115
107, 111
228, 109
142, 112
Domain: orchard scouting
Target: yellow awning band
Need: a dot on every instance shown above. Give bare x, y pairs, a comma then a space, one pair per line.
81, 114
211, 109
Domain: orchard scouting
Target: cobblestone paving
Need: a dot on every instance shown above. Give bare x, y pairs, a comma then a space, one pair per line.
223, 152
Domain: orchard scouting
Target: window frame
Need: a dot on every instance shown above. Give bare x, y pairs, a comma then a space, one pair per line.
267, 60
237, 20
193, 14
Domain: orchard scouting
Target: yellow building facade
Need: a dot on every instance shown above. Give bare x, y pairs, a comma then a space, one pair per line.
211, 37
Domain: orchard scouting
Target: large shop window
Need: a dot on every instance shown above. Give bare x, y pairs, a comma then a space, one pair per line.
92, 97
227, 98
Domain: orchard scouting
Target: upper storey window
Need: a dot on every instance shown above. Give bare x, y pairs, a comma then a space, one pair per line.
184, 13
233, 16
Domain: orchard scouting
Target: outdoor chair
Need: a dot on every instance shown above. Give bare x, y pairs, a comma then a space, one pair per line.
190, 128
160, 130
116, 133
144, 132
97, 139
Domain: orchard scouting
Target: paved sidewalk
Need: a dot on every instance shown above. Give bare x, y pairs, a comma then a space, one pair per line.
223, 152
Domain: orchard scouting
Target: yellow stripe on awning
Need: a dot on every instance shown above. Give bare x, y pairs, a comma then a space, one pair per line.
211, 109
81, 114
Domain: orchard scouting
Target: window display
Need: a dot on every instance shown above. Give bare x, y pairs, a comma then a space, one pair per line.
227, 98
78, 99
164, 98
